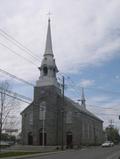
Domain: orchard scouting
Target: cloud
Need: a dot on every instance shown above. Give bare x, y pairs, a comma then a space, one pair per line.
99, 99
83, 34
117, 77
86, 82
90, 34
105, 108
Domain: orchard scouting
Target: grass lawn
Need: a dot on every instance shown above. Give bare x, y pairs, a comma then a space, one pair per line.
11, 154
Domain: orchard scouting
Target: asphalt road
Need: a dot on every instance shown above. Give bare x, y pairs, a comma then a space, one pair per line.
86, 153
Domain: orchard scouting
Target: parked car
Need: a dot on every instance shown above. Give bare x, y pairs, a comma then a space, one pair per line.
108, 144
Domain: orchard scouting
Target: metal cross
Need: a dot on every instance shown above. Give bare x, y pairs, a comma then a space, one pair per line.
49, 14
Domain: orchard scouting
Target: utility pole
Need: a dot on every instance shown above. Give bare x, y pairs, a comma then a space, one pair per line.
62, 111
1, 118
43, 130
111, 123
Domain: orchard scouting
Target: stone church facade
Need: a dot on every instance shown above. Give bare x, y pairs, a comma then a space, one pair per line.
52, 119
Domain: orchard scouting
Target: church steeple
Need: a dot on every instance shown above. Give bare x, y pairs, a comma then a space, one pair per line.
83, 104
48, 47
48, 68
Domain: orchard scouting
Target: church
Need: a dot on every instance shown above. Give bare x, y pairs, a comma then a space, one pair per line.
53, 119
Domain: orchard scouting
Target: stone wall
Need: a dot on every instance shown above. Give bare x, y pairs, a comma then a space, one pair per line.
85, 129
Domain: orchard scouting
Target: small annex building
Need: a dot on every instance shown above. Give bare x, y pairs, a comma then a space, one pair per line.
53, 120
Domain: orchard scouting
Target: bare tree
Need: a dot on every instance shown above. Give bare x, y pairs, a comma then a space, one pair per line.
7, 107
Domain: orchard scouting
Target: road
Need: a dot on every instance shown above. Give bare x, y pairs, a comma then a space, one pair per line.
86, 153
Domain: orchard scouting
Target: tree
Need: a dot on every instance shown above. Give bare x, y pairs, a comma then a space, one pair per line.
7, 107
112, 134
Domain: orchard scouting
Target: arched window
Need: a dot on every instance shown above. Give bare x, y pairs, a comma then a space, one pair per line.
54, 71
30, 138
45, 70
69, 117
42, 110
69, 139
42, 137
31, 118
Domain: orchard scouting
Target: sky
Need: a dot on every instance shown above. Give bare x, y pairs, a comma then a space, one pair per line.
86, 45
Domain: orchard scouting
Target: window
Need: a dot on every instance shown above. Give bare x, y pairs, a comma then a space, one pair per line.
69, 117
54, 71
45, 70
31, 118
42, 110
83, 129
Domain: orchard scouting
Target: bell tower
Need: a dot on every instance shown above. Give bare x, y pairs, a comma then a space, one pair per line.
48, 68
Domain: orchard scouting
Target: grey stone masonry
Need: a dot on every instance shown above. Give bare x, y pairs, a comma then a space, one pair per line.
80, 126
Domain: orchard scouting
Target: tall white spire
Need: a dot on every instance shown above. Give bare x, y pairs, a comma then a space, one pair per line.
48, 68
48, 46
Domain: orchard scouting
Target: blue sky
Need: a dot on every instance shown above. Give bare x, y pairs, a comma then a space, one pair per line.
86, 45
101, 89
102, 77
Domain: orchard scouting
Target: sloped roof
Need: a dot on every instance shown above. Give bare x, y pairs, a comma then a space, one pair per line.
30, 105
82, 109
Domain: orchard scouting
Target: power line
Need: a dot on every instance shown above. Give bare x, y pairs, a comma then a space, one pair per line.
15, 97
18, 44
67, 85
16, 94
68, 78
26, 82
109, 108
17, 78
18, 54
106, 114
28, 51
98, 89
105, 91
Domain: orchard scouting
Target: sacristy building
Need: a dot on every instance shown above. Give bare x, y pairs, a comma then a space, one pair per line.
52, 119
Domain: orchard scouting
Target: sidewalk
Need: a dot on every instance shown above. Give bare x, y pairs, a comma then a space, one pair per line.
39, 151
29, 148
33, 155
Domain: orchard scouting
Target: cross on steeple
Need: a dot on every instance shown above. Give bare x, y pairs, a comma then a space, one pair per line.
49, 15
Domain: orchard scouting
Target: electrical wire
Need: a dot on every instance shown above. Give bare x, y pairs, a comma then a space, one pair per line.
68, 78
15, 97
16, 94
18, 44
17, 54
17, 78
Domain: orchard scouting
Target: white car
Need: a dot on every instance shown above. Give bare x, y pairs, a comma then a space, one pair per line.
108, 144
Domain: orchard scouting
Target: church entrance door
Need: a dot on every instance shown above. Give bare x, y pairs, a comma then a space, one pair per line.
69, 141
30, 138
41, 138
